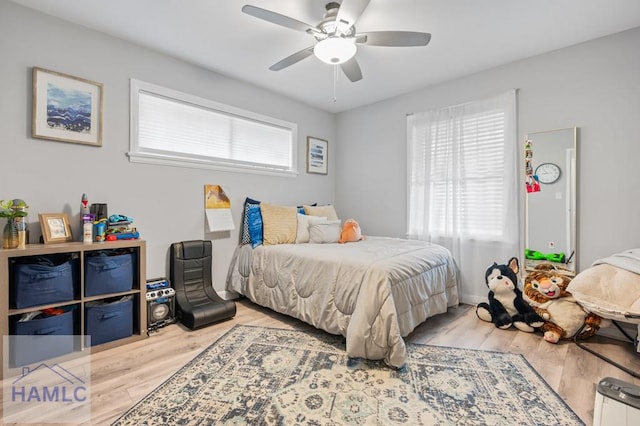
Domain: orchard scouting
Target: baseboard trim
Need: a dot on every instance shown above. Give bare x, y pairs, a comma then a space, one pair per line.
472, 300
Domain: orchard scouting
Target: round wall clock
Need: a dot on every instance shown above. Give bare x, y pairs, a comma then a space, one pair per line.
548, 172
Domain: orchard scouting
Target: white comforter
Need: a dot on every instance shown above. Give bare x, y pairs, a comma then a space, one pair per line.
373, 292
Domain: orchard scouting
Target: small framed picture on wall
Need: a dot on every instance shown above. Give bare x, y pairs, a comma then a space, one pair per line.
317, 155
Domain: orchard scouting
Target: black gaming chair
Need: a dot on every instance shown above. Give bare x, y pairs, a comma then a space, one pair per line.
197, 304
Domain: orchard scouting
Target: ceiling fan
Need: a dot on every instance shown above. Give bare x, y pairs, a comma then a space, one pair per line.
336, 36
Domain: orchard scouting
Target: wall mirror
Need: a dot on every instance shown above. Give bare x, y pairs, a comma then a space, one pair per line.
550, 200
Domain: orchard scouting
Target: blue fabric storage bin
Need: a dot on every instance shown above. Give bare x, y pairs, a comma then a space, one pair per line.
40, 346
41, 284
109, 322
108, 274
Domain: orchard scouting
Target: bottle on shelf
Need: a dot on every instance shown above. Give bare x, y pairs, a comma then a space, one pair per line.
86, 218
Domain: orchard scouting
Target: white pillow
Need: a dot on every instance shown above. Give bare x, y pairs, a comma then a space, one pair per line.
329, 211
327, 232
302, 234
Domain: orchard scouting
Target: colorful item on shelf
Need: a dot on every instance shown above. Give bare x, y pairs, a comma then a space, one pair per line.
99, 210
100, 230
84, 205
118, 218
120, 228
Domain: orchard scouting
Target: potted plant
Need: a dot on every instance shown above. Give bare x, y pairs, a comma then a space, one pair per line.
11, 210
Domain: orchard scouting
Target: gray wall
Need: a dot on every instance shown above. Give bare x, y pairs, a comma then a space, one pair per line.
166, 202
594, 86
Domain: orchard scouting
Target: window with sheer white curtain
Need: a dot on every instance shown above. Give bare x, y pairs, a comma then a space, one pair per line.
170, 127
462, 178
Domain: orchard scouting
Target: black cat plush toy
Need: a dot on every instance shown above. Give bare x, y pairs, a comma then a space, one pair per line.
506, 306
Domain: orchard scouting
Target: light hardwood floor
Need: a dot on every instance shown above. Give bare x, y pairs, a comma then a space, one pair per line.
124, 375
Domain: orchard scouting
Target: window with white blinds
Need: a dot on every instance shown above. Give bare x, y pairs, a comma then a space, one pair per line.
169, 127
476, 188
459, 178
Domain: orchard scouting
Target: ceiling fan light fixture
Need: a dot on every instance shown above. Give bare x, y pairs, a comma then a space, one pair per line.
335, 50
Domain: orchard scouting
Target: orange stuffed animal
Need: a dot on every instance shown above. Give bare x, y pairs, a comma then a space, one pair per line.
350, 232
545, 289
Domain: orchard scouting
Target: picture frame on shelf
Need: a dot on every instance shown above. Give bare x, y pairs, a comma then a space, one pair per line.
317, 155
55, 228
66, 108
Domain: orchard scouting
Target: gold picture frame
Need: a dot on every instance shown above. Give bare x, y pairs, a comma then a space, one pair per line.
66, 108
55, 228
317, 155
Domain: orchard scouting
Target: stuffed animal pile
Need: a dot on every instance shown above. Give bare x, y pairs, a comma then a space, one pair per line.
506, 306
545, 288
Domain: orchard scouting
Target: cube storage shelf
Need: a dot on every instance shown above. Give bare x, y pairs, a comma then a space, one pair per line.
82, 276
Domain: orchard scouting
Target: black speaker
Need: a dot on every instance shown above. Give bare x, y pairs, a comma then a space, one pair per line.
161, 308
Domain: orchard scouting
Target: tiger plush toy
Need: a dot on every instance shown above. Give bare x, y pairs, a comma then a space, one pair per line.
545, 289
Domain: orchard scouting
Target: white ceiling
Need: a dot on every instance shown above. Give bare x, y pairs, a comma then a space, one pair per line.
467, 36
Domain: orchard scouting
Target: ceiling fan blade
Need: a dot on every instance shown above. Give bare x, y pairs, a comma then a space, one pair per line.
278, 19
292, 59
349, 12
352, 70
394, 38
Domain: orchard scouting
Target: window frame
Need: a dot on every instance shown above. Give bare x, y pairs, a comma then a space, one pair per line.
138, 154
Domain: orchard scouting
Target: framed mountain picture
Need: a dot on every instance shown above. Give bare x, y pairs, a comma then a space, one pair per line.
66, 108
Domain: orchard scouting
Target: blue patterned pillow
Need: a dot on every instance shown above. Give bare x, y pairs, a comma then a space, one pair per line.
246, 235
255, 224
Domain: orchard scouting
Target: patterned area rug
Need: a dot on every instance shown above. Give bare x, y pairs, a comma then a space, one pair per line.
256, 375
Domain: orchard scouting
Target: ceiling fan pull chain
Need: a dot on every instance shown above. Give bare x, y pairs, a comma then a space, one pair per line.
335, 82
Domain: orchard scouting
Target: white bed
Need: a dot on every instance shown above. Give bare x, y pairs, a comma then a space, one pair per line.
374, 292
